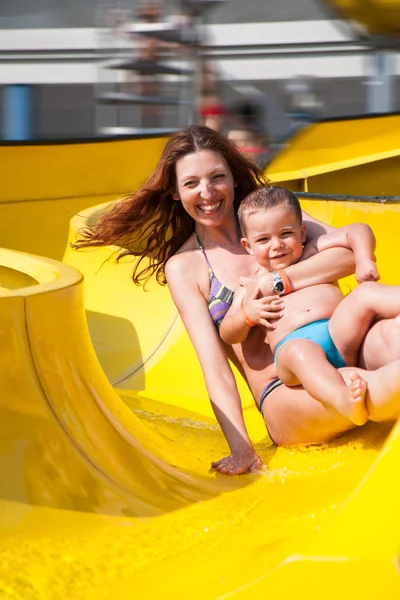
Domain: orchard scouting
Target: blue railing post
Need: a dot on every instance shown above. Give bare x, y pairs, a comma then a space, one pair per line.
18, 112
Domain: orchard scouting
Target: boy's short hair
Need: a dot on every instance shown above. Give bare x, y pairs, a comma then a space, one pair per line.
265, 198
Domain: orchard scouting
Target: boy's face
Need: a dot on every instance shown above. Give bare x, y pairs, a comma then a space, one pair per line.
274, 237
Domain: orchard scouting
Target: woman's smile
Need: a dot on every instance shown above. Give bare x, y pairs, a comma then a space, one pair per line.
210, 208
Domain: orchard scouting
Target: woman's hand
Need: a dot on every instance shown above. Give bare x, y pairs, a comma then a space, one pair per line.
263, 310
238, 463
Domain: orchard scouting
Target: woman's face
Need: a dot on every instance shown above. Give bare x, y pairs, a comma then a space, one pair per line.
205, 187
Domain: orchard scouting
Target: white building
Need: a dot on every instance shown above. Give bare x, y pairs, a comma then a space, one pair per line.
259, 45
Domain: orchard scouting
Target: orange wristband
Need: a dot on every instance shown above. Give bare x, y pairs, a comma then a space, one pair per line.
246, 319
285, 280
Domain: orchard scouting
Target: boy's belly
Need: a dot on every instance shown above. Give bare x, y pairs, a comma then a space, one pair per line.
254, 357
303, 307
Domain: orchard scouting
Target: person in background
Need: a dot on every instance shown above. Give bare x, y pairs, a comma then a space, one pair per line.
247, 132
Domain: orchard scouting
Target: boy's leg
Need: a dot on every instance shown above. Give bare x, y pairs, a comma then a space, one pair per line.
355, 314
383, 393
303, 362
292, 416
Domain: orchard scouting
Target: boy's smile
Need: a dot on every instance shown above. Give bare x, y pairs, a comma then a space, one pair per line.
274, 237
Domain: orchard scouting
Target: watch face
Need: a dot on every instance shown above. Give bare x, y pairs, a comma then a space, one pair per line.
279, 287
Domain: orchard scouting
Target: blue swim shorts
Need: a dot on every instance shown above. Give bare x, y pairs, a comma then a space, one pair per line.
317, 332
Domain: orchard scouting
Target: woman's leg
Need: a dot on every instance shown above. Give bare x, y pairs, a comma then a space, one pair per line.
292, 416
383, 393
381, 345
322, 381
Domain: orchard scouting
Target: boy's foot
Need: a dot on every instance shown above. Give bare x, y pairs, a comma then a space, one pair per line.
356, 409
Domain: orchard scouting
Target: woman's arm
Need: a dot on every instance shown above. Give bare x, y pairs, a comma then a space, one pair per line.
323, 267
180, 272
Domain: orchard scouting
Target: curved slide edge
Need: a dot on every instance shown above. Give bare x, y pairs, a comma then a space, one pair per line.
357, 155
83, 447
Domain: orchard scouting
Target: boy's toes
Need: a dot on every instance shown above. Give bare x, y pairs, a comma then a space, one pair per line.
358, 390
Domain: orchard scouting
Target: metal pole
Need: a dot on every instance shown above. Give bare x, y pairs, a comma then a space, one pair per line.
380, 82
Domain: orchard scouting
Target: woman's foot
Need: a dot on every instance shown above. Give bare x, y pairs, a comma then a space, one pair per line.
247, 462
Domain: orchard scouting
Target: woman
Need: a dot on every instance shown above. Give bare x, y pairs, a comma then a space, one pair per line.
184, 220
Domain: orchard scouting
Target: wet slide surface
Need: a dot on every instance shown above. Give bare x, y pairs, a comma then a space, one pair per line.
107, 437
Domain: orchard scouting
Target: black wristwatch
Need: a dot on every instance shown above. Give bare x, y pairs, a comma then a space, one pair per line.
279, 286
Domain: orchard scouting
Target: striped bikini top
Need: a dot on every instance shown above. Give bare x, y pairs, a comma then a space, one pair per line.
220, 297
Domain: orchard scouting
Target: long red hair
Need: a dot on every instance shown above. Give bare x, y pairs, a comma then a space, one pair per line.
149, 224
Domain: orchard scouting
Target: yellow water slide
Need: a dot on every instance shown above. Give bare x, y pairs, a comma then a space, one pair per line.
106, 430
379, 18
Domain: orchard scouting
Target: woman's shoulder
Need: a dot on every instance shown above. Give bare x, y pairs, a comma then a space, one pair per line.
315, 228
184, 259
186, 271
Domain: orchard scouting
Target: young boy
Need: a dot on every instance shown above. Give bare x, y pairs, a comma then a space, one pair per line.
319, 330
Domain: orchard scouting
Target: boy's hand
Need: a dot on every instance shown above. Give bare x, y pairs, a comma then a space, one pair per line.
366, 271
262, 310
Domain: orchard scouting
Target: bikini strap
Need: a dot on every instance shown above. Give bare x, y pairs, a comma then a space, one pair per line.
204, 253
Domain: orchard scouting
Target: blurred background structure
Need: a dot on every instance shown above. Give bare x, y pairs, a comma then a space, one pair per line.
256, 69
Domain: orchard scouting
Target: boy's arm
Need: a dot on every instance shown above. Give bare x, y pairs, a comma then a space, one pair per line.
357, 237
248, 310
